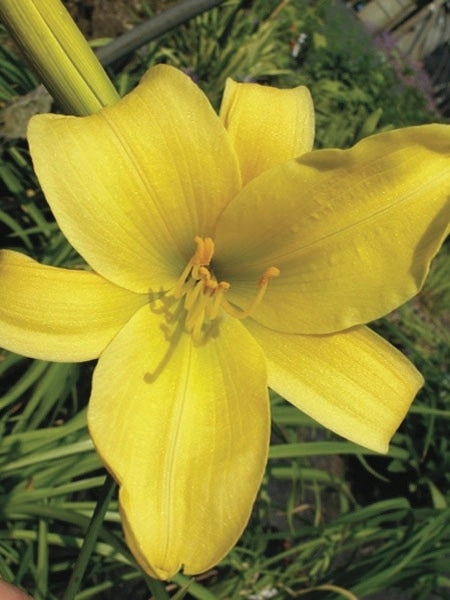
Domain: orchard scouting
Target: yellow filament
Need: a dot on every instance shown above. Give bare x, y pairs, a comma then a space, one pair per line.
214, 307
204, 296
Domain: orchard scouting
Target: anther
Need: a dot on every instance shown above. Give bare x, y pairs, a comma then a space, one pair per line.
204, 251
202, 257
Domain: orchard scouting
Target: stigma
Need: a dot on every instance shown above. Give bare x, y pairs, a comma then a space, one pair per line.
204, 296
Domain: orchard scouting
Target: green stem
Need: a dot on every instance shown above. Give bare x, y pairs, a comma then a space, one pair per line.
153, 28
90, 539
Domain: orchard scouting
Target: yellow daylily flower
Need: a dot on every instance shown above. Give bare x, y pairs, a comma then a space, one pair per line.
204, 290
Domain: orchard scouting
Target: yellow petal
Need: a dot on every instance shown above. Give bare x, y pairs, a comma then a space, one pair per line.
59, 314
132, 185
352, 232
355, 383
268, 126
184, 429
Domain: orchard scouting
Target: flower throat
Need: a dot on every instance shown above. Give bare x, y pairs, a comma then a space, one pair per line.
204, 296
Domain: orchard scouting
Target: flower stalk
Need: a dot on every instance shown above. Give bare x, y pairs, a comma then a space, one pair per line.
60, 55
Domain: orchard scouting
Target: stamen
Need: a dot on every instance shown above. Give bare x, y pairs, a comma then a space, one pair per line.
202, 256
204, 296
263, 282
196, 315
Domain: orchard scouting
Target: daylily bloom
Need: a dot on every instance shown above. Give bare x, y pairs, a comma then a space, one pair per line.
225, 256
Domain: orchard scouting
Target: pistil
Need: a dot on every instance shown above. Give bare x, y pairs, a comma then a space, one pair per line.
262, 287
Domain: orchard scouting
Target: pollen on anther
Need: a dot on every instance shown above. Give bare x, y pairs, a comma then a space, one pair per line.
204, 251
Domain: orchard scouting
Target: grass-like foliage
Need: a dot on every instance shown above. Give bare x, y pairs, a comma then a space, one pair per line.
332, 520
